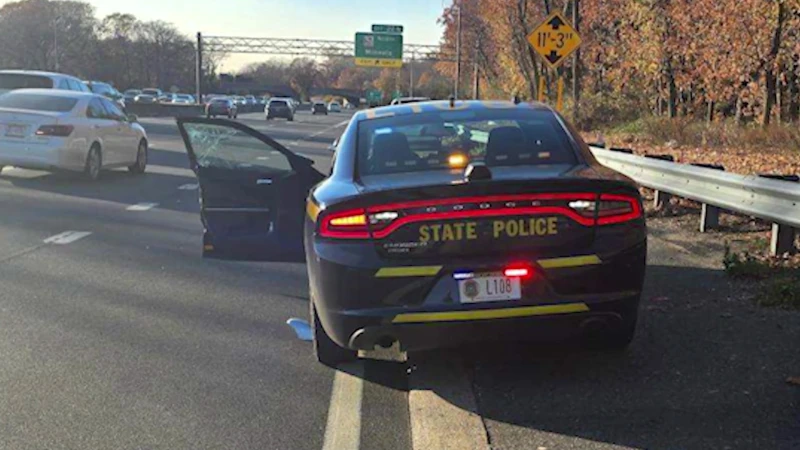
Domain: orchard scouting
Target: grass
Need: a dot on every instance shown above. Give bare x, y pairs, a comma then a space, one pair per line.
778, 279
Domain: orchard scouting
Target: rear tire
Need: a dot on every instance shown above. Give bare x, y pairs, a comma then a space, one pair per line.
140, 165
327, 351
290, 119
94, 162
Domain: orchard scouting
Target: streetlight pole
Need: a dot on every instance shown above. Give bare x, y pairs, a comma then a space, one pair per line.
411, 76
458, 53
55, 42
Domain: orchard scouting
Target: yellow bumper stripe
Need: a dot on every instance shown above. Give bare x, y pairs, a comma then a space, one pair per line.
312, 210
485, 314
572, 261
411, 271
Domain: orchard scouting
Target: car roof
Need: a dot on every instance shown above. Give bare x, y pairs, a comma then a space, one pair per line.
37, 73
57, 93
459, 105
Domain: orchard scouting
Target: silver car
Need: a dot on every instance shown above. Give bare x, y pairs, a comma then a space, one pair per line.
63, 130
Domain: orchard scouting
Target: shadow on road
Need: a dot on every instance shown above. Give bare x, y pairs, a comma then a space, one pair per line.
706, 370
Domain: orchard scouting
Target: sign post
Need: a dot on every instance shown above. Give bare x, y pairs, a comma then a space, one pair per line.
379, 50
555, 39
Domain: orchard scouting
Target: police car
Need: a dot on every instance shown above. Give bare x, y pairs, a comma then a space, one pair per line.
441, 223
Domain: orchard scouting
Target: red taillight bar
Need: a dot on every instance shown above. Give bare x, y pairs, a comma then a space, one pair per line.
354, 223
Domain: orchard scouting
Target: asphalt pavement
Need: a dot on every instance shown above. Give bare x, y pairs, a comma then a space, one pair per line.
115, 333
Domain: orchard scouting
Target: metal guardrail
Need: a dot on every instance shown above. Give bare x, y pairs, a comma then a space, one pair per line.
774, 200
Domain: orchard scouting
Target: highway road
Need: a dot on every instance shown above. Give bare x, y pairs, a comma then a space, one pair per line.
114, 333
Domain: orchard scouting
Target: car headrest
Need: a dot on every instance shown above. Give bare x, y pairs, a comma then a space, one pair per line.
391, 150
504, 144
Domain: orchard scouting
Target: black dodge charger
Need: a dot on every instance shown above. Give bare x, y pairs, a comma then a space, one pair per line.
441, 223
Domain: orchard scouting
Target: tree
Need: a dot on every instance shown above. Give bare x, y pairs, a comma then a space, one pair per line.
303, 74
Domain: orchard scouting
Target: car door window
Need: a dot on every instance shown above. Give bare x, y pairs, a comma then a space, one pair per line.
224, 147
114, 111
95, 110
62, 84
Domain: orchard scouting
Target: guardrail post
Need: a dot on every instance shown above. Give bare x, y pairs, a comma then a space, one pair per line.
783, 236
782, 240
660, 198
709, 214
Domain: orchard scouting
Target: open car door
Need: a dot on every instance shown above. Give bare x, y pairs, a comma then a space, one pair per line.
252, 191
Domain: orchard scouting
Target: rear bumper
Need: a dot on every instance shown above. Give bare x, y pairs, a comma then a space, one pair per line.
280, 114
553, 322
360, 306
55, 155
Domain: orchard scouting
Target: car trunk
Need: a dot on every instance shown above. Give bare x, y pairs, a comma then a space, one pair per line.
19, 125
437, 215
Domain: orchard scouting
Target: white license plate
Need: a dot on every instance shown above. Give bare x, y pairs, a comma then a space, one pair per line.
16, 130
489, 288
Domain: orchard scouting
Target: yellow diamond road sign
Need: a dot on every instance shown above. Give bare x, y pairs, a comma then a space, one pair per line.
554, 39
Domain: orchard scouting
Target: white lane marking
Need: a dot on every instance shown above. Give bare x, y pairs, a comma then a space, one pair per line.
67, 237
142, 206
189, 187
294, 143
343, 431
439, 423
340, 124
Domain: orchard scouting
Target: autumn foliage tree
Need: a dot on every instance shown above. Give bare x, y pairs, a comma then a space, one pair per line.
708, 59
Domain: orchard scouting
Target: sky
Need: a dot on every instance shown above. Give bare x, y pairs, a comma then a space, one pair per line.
308, 19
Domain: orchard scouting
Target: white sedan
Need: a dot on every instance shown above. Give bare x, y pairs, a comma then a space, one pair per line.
50, 129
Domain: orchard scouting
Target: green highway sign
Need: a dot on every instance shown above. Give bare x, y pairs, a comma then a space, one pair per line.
379, 50
374, 96
396, 29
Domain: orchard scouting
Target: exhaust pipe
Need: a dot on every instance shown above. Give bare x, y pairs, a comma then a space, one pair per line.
385, 341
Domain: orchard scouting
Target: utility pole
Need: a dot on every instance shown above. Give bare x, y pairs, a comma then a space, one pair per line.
476, 81
576, 60
411, 76
198, 73
55, 43
458, 53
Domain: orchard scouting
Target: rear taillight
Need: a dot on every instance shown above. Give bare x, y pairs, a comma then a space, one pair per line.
55, 130
518, 271
612, 208
350, 224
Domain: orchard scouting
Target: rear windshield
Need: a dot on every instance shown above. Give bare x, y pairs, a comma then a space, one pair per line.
277, 103
10, 81
220, 101
37, 102
452, 139
150, 92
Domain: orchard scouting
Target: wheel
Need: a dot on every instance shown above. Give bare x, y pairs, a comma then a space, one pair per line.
327, 351
208, 116
140, 165
94, 161
236, 116
290, 119
1, 168
620, 334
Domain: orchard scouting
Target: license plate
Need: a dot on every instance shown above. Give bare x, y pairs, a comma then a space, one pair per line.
16, 130
489, 288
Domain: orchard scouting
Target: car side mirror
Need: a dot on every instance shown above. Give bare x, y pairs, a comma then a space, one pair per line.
132, 118
333, 146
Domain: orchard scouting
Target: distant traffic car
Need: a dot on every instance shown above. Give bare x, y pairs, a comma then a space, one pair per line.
404, 100
222, 107
279, 107
250, 100
167, 97
26, 79
106, 90
319, 108
185, 99
239, 100
75, 131
334, 107
130, 95
149, 96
